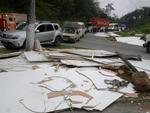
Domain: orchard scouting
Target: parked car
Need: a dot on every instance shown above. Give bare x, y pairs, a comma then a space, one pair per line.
73, 31
45, 32
147, 43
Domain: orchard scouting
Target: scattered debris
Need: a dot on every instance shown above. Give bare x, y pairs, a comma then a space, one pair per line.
91, 53
140, 80
79, 63
35, 67
65, 79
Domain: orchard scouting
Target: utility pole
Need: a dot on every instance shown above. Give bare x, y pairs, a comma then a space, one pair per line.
30, 33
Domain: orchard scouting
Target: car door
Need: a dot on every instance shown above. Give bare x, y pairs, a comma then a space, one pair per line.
41, 33
50, 32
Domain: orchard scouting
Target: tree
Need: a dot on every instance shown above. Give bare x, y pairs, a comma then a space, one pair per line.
30, 34
109, 8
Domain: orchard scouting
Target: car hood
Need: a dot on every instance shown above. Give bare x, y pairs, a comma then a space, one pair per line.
68, 34
15, 33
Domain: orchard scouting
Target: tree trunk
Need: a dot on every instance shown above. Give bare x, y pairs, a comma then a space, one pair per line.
30, 34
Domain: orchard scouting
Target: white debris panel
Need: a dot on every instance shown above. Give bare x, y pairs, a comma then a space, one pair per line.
44, 90
131, 40
33, 56
108, 34
79, 63
101, 34
45, 87
90, 53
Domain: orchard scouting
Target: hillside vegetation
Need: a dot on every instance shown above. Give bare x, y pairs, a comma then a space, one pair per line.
56, 10
138, 20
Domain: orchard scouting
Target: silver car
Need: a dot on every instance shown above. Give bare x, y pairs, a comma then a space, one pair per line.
45, 32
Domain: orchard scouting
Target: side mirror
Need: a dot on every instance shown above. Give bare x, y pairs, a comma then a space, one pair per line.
37, 31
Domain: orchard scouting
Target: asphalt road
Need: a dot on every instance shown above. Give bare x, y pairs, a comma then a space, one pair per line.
95, 42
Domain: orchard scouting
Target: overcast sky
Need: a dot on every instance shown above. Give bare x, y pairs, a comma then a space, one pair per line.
123, 7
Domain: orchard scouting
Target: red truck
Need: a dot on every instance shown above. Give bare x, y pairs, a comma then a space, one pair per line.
100, 22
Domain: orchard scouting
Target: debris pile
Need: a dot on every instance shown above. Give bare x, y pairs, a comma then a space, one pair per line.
54, 80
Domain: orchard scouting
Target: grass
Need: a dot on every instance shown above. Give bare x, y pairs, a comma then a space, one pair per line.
145, 29
62, 46
127, 33
4, 50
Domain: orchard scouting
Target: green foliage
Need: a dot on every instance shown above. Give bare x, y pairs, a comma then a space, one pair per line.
138, 17
56, 10
142, 28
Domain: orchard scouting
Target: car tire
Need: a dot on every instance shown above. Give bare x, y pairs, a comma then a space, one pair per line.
57, 41
148, 48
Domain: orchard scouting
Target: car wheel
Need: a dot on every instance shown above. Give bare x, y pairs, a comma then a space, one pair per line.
57, 41
148, 48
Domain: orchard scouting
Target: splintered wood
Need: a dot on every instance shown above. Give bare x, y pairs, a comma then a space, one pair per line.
69, 93
140, 80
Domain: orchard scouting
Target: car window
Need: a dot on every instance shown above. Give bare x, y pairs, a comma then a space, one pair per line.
50, 27
42, 28
21, 26
56, 27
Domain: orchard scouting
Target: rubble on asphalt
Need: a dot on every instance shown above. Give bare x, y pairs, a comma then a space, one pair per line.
54, 80
131, 40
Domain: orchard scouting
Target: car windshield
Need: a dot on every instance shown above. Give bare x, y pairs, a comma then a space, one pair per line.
21, 26
69, 30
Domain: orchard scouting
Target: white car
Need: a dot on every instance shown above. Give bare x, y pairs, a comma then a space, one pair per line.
45, 32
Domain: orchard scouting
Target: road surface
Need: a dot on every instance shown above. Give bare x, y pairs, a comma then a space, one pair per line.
96, 42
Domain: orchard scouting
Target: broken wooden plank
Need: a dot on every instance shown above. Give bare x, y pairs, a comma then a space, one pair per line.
9, 55
140, 80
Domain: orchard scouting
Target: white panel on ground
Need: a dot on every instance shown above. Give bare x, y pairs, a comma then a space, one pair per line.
33, 56
21, 91
79, 63
131, 40
90, 53
98, 77
143, 65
